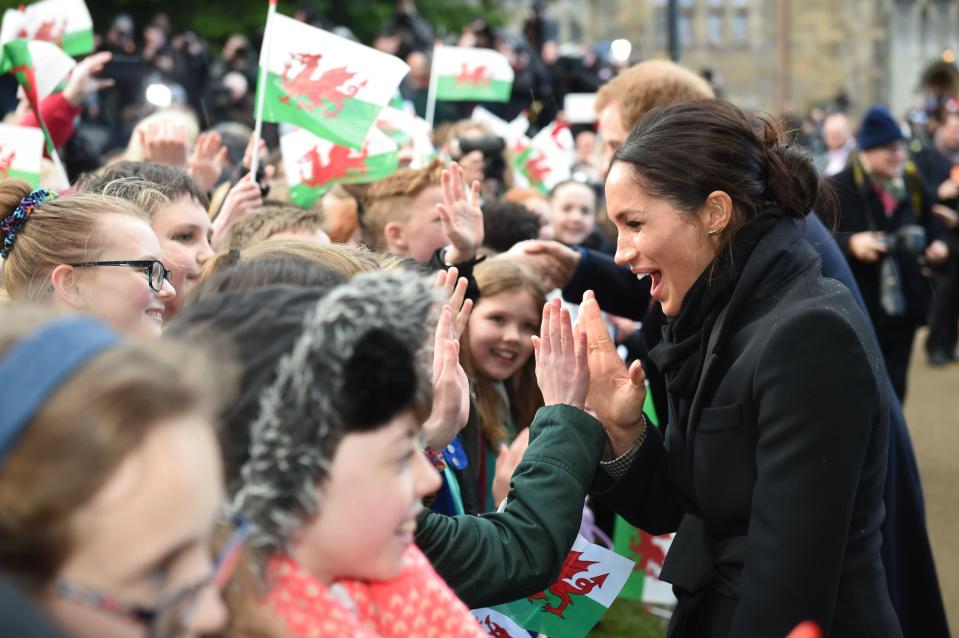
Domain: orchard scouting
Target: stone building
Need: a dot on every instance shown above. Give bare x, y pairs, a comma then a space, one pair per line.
789, 54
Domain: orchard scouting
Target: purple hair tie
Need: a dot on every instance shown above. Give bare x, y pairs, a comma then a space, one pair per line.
13, 223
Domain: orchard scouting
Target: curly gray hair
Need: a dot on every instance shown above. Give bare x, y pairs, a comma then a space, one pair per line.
304, 414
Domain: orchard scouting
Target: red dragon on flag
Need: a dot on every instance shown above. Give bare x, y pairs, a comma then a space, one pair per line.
493, 630
342, 162
49, 31
328, 92
649, 555
572, 566
6, 161
535, 168
476, 76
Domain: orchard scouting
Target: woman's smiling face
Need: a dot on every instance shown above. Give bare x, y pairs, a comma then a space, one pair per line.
656, 239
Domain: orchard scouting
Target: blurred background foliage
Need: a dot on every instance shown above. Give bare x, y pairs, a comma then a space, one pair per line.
217, 19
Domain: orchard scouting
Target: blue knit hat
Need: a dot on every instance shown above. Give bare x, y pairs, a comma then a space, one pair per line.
879, 128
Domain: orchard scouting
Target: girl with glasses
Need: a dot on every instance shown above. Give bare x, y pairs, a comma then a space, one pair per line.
87, 253
110, 479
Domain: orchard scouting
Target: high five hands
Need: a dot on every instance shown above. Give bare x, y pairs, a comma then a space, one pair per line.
579, 366
616, 394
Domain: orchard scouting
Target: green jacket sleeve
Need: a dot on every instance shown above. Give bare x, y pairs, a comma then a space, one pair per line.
504, 556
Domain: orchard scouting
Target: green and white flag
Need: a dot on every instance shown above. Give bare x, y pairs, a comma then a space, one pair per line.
51, 67
511, 132
497, 624
21, 151
591, 579
65, 23
648, 553
411, 134
328, 85
314, 165
544, 161
472, 75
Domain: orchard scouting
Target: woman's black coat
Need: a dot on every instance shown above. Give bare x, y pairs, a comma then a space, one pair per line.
775, 482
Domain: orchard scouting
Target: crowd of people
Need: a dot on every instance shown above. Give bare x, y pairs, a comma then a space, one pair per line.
225, 414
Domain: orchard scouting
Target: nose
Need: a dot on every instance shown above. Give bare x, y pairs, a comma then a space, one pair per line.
206, 251
166, 292
427, 478
511, 333
211, 614
624, 252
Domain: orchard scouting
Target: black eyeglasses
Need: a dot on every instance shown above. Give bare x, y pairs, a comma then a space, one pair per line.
155, 271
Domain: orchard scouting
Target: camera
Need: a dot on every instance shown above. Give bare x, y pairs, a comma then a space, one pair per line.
910, 240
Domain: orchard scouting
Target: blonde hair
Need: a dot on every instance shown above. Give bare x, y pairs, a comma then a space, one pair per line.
79, 436
391, 199
59, 231
273, 218
648, 85
346, 260
495, 276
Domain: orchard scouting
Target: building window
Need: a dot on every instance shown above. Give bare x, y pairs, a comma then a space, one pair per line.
714, 27
740, 26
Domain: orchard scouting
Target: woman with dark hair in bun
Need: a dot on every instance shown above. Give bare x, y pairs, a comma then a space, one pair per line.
771, 471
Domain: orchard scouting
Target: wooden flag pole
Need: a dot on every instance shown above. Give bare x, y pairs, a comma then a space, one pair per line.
261, 89
431, 93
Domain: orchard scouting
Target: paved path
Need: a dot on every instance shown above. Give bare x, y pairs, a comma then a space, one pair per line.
932, 412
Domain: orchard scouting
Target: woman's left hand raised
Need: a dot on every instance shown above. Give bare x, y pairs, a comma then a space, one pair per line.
562, 370
616, 394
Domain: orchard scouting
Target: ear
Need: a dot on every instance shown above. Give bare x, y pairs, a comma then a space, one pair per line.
717, 212
395, 235
66, 286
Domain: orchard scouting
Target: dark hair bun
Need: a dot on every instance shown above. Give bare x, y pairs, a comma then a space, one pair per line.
793, 181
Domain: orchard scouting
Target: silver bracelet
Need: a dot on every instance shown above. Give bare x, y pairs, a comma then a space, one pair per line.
617, 468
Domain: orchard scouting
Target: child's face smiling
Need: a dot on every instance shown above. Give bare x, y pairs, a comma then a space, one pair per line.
500, 328
573, 213
368, 504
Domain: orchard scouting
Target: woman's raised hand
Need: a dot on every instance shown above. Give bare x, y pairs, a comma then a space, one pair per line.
561, 367
616, 395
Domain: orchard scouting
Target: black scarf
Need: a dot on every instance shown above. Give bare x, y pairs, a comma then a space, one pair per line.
682, 352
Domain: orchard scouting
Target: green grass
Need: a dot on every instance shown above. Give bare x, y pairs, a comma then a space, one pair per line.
626, 619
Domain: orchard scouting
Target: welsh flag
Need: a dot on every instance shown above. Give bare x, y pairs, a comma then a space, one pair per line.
21, 150
51, 67
648, 553
545, 160
314, 165
16, 59
326, 84
591, 579
511, 132
473, 75
65, 23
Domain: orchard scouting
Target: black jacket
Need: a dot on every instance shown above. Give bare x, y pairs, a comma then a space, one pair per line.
775, 482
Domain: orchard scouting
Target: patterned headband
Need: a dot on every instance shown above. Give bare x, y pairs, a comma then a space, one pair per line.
13, 223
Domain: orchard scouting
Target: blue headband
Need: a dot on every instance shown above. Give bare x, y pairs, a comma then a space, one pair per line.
39, 364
